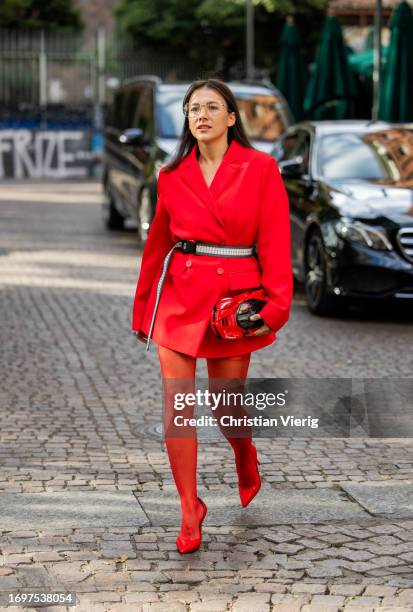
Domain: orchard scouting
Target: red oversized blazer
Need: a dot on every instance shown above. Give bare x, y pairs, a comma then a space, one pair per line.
245, 204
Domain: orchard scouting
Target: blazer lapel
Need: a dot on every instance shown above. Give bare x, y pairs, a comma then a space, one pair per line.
227, 170
225, 175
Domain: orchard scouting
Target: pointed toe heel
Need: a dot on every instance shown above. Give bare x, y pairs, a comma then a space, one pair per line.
187, 544
247, 494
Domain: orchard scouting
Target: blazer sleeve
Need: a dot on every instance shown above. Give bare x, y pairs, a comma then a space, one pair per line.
274, 247
158, 243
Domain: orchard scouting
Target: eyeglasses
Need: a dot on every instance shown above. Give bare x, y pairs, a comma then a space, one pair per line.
194, 110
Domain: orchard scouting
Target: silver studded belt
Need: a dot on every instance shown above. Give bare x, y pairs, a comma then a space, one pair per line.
197, 248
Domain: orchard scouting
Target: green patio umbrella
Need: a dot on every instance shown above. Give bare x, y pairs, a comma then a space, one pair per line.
290, 71
331, 89
363, 63
396, 101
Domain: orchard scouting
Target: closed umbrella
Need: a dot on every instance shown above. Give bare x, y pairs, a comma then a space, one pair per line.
396, 102
290, 71
363, 63
331, 89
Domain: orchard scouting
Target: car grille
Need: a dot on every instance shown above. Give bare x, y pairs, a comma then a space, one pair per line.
405, 240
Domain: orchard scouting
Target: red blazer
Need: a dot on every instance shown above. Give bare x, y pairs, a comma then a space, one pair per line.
246, 204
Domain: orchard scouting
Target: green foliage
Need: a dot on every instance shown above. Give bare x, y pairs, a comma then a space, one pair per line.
48, 14
211, 33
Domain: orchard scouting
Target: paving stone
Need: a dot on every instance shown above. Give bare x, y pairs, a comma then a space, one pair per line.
173, 606
185, 576
308, 588
223, 507
70, 509
320, 608
393, 498
270, 587
402, 608
246, 602
289, 603
392, 602
366, 601
322, 571
182, 593
335, 538
123, 551
346, 589
379, 590
279, 536
212, 605
104, 596
328, 600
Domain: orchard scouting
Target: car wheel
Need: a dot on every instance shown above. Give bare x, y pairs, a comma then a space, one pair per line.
145, 214
318, 300
112, 218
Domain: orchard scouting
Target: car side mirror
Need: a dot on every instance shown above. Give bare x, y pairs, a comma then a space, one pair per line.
291, 167
132, 136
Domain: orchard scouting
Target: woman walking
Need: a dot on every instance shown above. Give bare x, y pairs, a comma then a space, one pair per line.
218, 200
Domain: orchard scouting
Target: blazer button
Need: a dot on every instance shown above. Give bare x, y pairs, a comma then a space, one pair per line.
220, 270
188, 263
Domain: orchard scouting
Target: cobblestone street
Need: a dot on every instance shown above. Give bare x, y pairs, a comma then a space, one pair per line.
87, 500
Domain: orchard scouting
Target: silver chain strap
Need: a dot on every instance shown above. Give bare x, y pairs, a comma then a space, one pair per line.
159, 290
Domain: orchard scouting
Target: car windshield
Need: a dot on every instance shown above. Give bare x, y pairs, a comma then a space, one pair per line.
383, 155
170, 115
263, 116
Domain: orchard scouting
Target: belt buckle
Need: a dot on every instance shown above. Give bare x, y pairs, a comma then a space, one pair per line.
188, 246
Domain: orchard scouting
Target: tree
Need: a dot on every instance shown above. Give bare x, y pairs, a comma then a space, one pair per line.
32, 14
211, 33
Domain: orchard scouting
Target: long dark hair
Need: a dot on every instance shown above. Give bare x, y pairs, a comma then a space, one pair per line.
235, 131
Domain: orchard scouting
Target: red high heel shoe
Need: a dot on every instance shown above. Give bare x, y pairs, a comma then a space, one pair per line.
186, 544
247, 494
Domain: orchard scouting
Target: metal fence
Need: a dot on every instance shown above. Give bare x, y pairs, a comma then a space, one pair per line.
43, 68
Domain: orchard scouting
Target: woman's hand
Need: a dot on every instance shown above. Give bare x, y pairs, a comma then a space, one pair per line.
260, 331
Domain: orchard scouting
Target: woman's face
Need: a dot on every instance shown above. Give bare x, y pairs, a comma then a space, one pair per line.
216, 118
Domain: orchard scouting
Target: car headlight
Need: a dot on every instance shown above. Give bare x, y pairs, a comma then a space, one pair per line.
356, 231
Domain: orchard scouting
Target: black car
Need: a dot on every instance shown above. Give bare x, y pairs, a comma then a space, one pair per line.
143, 127
350, 187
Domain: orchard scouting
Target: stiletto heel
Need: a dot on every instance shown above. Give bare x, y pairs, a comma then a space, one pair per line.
247, 494
187, 544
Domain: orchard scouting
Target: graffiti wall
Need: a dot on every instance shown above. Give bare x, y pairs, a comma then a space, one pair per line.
26, 153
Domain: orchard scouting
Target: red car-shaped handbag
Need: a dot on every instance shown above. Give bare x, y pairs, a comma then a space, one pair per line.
227, 320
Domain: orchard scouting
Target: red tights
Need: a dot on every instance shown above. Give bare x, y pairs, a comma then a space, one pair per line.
182, 451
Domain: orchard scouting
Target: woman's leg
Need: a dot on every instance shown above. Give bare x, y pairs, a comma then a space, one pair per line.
229, 374
235, 367
178, 374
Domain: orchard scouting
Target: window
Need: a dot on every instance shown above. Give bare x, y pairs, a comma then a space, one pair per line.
170, 115
129, 107
365, 156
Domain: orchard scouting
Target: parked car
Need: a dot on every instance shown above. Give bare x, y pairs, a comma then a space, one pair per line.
143, 127
350, 186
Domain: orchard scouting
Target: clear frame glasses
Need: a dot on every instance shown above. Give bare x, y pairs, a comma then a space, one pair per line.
194, 110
